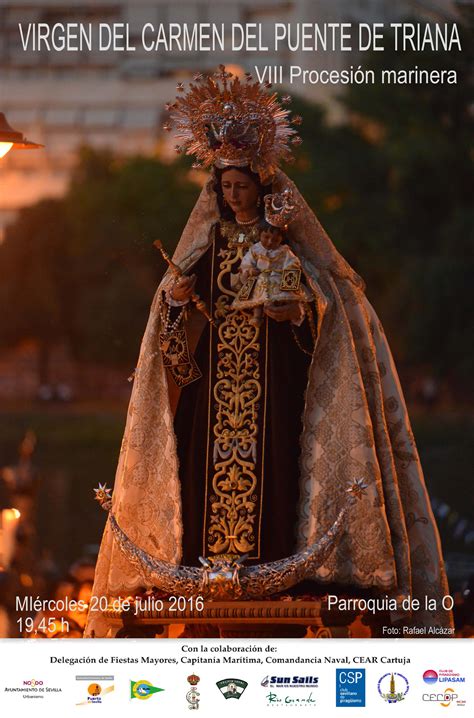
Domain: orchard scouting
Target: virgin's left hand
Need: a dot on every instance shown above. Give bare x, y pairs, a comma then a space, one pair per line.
283, 312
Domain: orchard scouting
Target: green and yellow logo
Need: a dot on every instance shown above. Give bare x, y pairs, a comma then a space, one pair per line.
143, 690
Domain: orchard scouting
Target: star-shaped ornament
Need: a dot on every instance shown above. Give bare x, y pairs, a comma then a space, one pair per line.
357, 489
102, 494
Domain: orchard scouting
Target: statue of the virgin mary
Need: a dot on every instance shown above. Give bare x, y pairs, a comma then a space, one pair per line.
242, 437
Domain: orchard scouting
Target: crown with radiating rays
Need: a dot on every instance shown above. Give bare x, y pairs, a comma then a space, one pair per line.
224, 121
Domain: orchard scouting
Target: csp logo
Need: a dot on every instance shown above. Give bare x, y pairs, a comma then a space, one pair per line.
350, 687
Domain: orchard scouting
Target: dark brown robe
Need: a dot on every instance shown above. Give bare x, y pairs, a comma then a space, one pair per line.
238, 427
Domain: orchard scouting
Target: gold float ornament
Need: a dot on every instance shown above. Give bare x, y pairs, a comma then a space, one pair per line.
220, 573
225, 577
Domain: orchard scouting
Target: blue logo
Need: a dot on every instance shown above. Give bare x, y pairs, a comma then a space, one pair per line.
350, 687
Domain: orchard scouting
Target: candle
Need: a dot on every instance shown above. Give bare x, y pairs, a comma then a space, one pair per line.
9, 522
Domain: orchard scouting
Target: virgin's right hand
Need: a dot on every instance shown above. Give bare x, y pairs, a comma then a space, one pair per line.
183, 290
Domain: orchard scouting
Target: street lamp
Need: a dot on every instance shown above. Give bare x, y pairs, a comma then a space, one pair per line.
12, 139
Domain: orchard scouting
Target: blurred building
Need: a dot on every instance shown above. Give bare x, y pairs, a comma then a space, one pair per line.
115, 99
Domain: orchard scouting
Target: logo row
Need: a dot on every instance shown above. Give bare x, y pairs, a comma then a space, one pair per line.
391, 687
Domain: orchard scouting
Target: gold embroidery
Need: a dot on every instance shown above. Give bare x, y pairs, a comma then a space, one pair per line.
239, 239
234, 507
239, 236
290, 281
177, 358
247, 289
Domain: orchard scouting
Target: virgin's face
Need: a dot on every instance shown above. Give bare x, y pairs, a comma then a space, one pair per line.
240, 191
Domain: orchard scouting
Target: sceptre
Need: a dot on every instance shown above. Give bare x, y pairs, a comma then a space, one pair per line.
177, 272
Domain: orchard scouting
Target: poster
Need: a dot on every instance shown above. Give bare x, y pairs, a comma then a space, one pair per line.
235, 355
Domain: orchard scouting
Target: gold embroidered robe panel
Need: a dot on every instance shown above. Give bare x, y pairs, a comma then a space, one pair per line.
238, 427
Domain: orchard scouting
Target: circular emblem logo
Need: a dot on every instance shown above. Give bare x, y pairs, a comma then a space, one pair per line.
142, 689
430, 676
94, 689
393, 687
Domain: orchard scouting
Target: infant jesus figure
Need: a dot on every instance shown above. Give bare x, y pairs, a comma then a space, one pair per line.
270, 273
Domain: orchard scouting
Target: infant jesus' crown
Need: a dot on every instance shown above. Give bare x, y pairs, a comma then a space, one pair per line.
280, 208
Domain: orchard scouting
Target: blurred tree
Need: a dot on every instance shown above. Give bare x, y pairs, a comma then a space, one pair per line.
82, 269
393, 186
35, 271
117, 209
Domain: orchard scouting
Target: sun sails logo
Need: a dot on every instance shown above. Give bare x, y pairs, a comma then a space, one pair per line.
231, 687
290, 682
143, 690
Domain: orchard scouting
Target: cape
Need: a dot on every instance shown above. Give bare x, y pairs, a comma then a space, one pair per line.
355, 426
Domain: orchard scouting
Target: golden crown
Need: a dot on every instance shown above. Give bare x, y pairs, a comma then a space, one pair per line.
226, 122
280, 208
